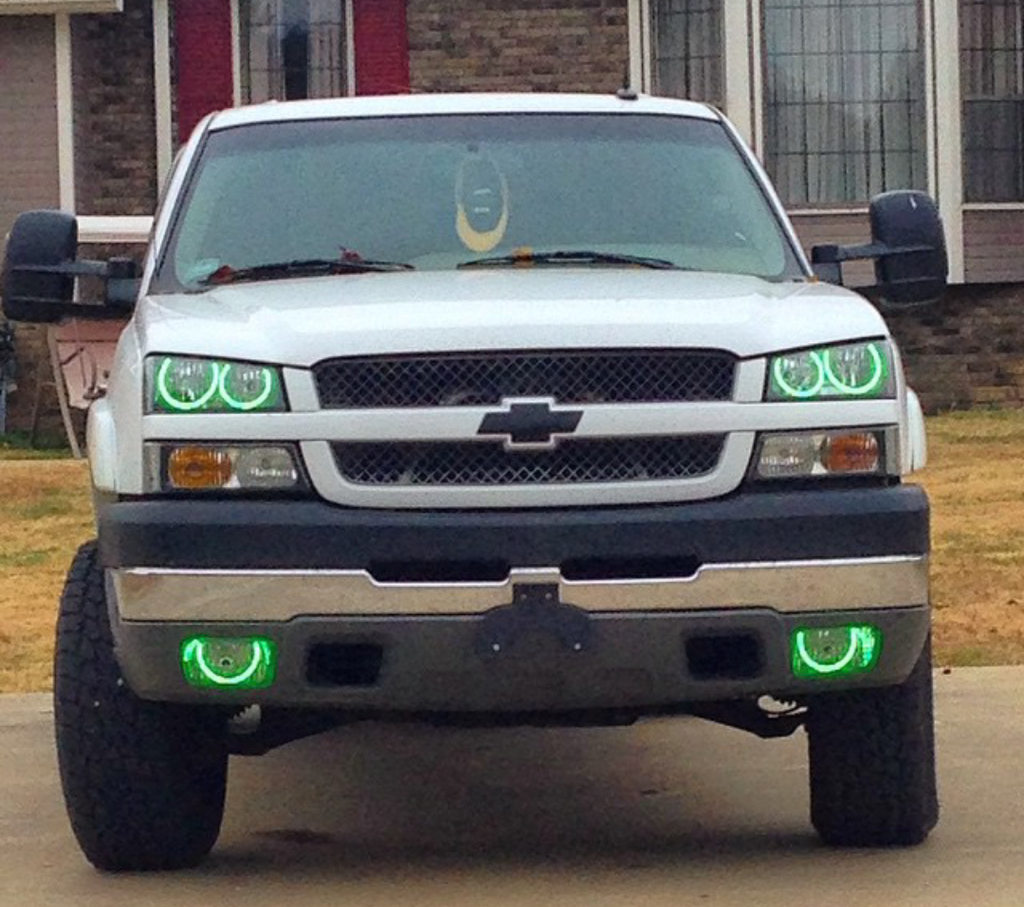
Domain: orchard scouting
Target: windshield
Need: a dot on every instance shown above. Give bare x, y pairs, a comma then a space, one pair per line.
443, 192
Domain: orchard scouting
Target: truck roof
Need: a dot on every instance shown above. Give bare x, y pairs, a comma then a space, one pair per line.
441, 104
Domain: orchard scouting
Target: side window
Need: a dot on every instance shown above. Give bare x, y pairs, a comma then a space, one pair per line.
292, 49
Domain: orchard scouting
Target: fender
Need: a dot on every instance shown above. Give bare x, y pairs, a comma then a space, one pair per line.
101, 442
916, 456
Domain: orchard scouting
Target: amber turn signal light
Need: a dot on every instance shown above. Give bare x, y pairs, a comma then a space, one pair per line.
198, 467
855, 453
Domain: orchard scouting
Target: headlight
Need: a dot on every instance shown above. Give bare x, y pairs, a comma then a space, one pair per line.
179, 384
188, 466
852, 371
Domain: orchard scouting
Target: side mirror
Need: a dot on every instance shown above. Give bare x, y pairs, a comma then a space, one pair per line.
904, 220
37, 282
908, 246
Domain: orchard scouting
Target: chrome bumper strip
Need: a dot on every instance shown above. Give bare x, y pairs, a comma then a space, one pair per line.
144, 594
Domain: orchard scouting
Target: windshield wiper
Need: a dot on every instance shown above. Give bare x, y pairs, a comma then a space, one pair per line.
570, 257
302, 267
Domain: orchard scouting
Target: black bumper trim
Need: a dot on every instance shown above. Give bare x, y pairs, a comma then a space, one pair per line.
223, 534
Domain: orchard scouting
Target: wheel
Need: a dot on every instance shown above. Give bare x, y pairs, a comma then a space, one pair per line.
143, 782
872, 763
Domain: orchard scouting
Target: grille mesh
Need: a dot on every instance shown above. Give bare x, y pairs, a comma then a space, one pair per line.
616, 376
487, 463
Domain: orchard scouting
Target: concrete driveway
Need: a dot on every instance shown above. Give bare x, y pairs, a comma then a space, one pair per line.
669, 812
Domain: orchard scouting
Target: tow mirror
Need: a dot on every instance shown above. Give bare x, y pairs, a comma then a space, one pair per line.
908, 247
40, 271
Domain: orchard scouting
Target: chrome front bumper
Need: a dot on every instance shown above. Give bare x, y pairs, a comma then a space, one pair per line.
788, 587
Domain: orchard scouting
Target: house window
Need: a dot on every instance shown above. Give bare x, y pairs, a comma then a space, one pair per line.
292, 49
844, 99
992, 74
687, 50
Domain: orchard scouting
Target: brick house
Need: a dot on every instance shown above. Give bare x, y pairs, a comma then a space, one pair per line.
841, 100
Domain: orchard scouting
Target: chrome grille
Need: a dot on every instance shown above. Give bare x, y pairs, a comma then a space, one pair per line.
573, 461
485, 379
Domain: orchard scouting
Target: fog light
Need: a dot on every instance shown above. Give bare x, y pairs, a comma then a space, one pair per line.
835, 651
247, 663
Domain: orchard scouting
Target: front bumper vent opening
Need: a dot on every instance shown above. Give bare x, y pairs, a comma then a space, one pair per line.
344, 664
627, 568
738, 656
469, 571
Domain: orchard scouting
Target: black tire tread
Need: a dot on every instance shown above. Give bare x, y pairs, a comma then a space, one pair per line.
144, 782
872, 763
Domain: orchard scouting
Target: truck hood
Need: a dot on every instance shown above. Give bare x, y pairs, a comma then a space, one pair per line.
299, 322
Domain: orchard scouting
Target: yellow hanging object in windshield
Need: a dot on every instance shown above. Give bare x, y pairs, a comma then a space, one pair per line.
481, 204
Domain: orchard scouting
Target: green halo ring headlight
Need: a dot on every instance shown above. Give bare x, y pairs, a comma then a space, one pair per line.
848, 370
261, 388
866, 379
182, 385
804, 387
185, 384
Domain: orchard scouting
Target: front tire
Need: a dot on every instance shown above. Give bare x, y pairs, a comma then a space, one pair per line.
872, 763
143, 782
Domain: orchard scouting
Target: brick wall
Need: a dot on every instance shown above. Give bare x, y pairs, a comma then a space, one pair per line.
517, 45
968, 350
115, 133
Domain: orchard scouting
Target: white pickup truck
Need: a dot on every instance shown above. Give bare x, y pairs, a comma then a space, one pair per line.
488, 409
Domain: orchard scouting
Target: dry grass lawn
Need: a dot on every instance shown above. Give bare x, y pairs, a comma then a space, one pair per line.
45, 514
975, 479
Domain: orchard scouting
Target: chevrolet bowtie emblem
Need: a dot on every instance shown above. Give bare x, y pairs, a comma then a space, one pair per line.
533, 424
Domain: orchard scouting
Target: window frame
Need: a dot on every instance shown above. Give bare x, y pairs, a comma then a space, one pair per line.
859, 205
1018, 99
238, 50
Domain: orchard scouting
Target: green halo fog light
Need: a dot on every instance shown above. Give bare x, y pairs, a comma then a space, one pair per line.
212, 662
835, 651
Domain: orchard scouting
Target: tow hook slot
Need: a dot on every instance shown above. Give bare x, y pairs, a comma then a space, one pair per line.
535, 608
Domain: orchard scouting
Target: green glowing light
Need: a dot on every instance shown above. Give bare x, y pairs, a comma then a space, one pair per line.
187, 385
850, 370
248, 663
245, 405
190, 400
799, 390
857, 389
835, 651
